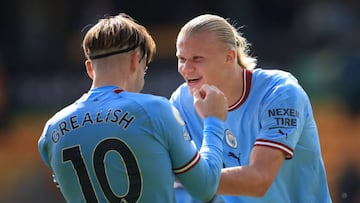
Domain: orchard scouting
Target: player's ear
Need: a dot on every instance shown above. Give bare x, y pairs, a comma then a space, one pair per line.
230, 55
134, 63
89, 68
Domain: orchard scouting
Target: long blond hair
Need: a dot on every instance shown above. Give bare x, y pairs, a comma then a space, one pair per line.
224, 32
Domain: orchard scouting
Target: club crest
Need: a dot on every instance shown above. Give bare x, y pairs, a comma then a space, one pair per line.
230, 139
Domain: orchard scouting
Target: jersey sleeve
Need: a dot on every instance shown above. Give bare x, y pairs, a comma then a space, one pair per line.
43, 147
201, 179
198, 171
282, 117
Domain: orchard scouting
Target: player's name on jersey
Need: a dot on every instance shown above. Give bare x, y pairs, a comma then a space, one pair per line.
116, 116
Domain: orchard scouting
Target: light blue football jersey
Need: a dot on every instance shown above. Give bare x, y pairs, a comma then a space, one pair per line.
117, 146
273, 111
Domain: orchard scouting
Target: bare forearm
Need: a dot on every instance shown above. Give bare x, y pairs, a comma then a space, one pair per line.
243, 180
255, 178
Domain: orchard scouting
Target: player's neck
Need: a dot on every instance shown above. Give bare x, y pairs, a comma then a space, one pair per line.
234, 86
110, 79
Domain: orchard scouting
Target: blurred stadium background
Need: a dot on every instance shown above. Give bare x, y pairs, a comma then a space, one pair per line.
41, 71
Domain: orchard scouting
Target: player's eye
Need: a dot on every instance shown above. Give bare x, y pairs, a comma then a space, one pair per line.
181, 60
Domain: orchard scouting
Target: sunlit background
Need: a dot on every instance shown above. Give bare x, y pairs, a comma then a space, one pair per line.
42, 70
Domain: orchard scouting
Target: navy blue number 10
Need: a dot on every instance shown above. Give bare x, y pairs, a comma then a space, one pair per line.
73, 154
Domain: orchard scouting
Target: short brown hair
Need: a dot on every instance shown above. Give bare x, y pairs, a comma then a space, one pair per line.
117, 34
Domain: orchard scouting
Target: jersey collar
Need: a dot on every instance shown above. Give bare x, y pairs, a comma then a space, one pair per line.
247, 76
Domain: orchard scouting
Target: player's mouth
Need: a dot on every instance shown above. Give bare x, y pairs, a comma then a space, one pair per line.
193, 81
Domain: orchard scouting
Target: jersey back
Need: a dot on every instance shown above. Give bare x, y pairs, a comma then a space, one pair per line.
114, 146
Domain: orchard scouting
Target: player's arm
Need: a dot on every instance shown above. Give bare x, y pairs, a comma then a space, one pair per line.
270, 150
254, 179
201, 175
43, 145
201, 179
44, 151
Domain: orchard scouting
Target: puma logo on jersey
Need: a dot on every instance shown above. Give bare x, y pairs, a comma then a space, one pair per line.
231, 154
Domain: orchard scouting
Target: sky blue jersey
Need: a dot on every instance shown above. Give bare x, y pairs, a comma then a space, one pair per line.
273, 111
117, 146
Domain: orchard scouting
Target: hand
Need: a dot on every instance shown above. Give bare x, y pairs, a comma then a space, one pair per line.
210, 101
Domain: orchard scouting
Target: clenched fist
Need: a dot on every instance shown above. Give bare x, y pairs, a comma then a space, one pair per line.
210, 101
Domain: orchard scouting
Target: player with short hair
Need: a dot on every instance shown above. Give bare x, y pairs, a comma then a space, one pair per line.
115, 144
271, 147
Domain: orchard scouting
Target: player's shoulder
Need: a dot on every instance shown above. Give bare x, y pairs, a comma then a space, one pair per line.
275, 77
144, 98
156, 107
278, 82
181, 93
182, 89
272, 73
149, 102
61, 114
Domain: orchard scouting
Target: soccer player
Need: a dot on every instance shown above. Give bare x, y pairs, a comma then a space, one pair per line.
271, 147
115, 144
